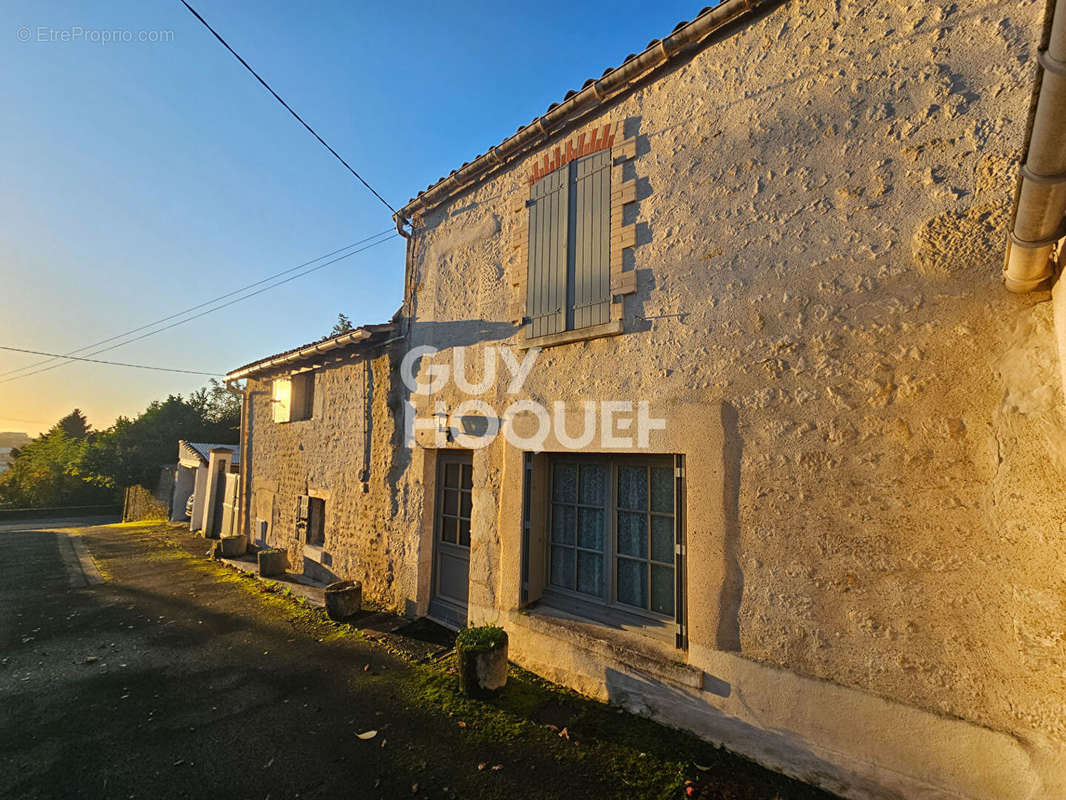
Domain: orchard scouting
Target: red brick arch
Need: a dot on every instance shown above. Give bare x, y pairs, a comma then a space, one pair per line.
581, 144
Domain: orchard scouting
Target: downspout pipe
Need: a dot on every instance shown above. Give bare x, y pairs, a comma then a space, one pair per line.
1041, 199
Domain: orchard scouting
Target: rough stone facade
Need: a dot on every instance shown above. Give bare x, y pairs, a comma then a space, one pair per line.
353, 419
822, 205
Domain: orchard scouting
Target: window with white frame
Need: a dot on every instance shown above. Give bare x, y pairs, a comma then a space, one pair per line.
614, 535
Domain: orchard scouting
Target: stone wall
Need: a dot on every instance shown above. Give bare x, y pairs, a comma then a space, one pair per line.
354, 405
821, 215
140, 504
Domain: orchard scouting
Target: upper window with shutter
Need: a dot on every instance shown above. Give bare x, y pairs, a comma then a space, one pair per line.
282, 399
294, 397
568, 284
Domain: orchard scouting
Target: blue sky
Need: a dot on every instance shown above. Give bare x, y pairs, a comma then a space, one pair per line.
141, 178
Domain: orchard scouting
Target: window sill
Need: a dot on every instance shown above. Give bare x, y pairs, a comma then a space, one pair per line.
569, 605
313, 553
647, 654
612, 328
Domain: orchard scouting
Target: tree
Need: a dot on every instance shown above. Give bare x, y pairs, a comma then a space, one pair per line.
132, 450
217, 405
71, 464
74, 425
342, 325
47, 472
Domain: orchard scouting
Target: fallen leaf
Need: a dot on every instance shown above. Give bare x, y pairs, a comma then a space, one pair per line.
268, 764
551, 727
367, 734
497, 767
701, 768
462, 724
481, 766
564, 734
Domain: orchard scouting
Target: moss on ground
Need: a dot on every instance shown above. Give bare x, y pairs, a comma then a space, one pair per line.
637, 756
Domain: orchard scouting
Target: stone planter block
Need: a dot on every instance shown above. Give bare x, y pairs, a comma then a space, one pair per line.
233, 546
482, 671
343, 599
273, 563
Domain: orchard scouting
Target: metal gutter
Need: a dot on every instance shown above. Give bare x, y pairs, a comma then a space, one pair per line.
1040, 202
685, 39
358, 336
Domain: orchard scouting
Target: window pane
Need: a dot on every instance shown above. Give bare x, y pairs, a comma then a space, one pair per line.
633, 534
593, 484
662, 589
564, 521
662, 539
633, 582
633, 488
562, 572
590, 528
451, 475
662, 489
564, 479
464, 505
448, 529
464, 532
451, 502
468, 476
590, 573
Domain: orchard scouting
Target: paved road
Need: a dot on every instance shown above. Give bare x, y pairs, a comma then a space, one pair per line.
174, 678
52, 524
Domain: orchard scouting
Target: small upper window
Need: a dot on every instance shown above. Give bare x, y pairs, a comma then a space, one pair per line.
569, 281
294, 397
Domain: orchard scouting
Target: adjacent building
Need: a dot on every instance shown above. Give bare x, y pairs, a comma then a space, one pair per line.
707, 388
208, 475
319, 437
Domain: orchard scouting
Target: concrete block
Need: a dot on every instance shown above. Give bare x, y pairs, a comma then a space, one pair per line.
233, 546
272, 563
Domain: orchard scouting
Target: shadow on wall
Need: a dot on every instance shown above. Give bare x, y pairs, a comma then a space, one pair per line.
460, 333
320, 572
776, 749
732, 591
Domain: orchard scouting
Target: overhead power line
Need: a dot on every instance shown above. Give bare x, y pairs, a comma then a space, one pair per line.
288, 108
205, 312
112, 363
177, 314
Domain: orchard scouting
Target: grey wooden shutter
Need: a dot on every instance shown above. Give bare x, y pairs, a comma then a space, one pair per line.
590, 262
681, 633
546, 281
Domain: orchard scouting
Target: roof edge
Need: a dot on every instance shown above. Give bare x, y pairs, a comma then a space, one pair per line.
365, 335
685, 39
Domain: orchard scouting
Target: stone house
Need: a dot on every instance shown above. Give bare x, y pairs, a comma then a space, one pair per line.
318, 433
833, 537
706, 386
